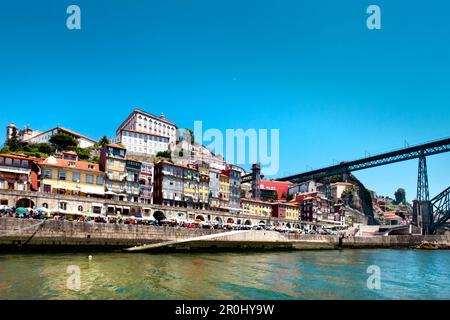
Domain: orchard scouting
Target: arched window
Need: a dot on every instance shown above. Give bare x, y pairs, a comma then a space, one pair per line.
80, 208
45, 205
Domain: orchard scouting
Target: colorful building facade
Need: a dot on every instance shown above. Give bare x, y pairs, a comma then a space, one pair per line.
18, 173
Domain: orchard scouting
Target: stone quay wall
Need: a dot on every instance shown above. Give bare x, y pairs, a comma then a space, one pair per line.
55, 235
29, 233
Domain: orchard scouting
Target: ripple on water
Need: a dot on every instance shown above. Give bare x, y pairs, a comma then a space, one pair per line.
405, 274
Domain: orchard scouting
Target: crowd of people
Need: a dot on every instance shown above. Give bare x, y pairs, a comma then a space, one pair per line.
30, 213
27, 213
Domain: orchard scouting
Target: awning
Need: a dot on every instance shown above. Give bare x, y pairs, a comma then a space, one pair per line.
92, 215
66, 188
96, 204
93, 190
60, 211
15, 170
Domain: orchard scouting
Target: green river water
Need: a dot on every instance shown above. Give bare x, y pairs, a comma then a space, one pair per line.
405, 274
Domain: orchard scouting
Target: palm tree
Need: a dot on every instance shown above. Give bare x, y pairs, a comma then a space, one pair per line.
103, 141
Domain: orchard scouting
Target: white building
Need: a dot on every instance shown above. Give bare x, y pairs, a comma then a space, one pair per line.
338, 188
44, 137
307, 186
144, 133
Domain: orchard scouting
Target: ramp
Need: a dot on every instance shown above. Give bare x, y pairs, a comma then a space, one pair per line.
175, 242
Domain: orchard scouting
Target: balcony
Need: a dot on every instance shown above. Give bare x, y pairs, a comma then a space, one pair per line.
14, 169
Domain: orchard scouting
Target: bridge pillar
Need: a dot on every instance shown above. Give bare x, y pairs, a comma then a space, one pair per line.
423, 216
422, 180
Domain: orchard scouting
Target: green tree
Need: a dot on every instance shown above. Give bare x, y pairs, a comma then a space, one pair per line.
188, 135
400, 196
13, 142
289, 197
275, 196
46, 148
83, 153
164, 154
63, 141
103, 141
5, 150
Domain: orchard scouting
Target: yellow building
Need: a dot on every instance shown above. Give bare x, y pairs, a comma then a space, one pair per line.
71, 177
113, 162
292, 212
224, 191
256, 208
285, 211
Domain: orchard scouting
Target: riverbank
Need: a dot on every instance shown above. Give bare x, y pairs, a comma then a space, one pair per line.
18, 235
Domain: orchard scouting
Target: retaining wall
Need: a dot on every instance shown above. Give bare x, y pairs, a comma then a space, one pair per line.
54, 235
20, 234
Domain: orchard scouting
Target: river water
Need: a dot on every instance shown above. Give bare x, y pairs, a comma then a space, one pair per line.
404, 274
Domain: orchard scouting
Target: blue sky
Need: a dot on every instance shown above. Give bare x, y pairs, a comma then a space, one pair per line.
312, 69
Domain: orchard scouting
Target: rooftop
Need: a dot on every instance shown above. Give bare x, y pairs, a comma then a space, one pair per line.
113, 145
78, 165
256, 201
76, 134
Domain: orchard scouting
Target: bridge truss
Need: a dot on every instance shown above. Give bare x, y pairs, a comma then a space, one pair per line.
441, 210
429, 215
414, 152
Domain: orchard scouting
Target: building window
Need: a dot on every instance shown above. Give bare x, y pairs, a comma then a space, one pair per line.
45, 205
100, 180
89, 179
76, 177
80, 208
63, 205
47, 174
47, 188
20, 186
62, 175
97, 210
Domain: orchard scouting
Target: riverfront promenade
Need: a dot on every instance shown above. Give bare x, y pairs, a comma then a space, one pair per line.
54, 235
